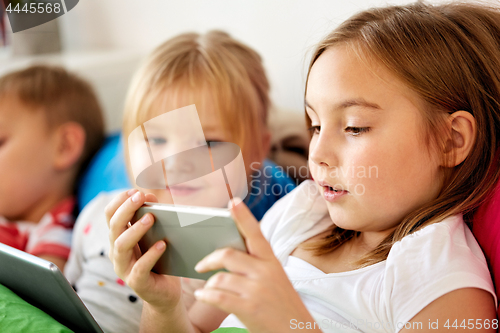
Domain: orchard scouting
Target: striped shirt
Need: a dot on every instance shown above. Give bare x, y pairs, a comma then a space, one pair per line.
50, 236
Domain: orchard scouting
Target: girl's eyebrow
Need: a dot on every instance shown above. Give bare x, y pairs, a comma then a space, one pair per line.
358, 102
351, 102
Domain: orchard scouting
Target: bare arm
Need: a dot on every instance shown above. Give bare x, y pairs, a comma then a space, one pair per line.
203, 318
206, 317
471, 306
156, 321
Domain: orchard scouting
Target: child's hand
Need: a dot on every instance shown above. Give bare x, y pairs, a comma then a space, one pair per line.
160, 291
256, 289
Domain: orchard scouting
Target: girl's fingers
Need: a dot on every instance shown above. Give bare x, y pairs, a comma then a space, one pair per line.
150, 197
128, 240
237, 261
140, 272
117, 201
230, 259
137, 251
248, 226
123, 214
225, 300
234, 283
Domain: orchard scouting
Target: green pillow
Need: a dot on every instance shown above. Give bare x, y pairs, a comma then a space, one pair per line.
230, 330
17, 315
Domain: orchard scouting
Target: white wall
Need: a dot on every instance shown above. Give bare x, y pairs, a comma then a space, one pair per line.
282, 31
105, 39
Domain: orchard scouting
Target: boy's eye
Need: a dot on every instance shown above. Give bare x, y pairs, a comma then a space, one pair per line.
355, 131
314, 129
156, 140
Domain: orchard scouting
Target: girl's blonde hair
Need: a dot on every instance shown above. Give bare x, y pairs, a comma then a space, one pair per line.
450, 55
229, 74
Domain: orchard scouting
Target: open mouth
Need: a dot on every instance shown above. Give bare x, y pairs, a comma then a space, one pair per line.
329, 188
331, 193
334, 190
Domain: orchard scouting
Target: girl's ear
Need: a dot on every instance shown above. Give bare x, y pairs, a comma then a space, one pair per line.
69, 144
461, 127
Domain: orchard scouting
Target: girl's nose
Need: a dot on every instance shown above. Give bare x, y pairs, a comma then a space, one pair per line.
178, 168
187, 165
322, 152
179, 163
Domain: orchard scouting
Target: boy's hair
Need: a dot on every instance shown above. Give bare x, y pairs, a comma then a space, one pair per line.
212, 66
450, 55
63, 97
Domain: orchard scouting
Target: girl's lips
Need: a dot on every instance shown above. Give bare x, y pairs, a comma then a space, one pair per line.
179, 190
332, 195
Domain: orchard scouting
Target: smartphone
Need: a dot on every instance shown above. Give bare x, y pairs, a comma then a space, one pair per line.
191, 233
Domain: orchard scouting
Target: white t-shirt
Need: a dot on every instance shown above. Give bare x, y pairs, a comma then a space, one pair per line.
382, 297
114, 305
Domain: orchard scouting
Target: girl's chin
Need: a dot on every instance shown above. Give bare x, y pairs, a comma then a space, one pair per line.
200, 198
202, 202
339, 218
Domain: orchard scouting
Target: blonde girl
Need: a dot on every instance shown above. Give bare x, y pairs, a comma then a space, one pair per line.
226, 81
411, 93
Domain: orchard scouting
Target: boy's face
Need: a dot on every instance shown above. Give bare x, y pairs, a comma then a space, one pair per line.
26, 150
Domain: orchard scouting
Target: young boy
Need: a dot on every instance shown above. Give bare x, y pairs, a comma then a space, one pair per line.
51, 124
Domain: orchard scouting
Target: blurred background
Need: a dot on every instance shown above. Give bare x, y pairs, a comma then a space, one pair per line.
105, 40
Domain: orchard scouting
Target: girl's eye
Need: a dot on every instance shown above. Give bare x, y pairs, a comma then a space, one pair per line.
314, 129
214, 143
155, 140
2, 141
355, 131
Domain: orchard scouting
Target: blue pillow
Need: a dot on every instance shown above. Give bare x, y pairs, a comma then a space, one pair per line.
268, 185
105, 172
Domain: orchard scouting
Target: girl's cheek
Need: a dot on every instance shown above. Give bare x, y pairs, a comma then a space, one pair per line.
312, 169
162, 196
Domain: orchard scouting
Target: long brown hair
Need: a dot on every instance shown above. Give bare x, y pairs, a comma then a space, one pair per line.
450, 55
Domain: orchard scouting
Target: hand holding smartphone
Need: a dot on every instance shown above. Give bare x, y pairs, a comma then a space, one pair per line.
191, 233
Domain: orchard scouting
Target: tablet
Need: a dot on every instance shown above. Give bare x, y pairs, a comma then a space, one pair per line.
191, 233
41, 283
